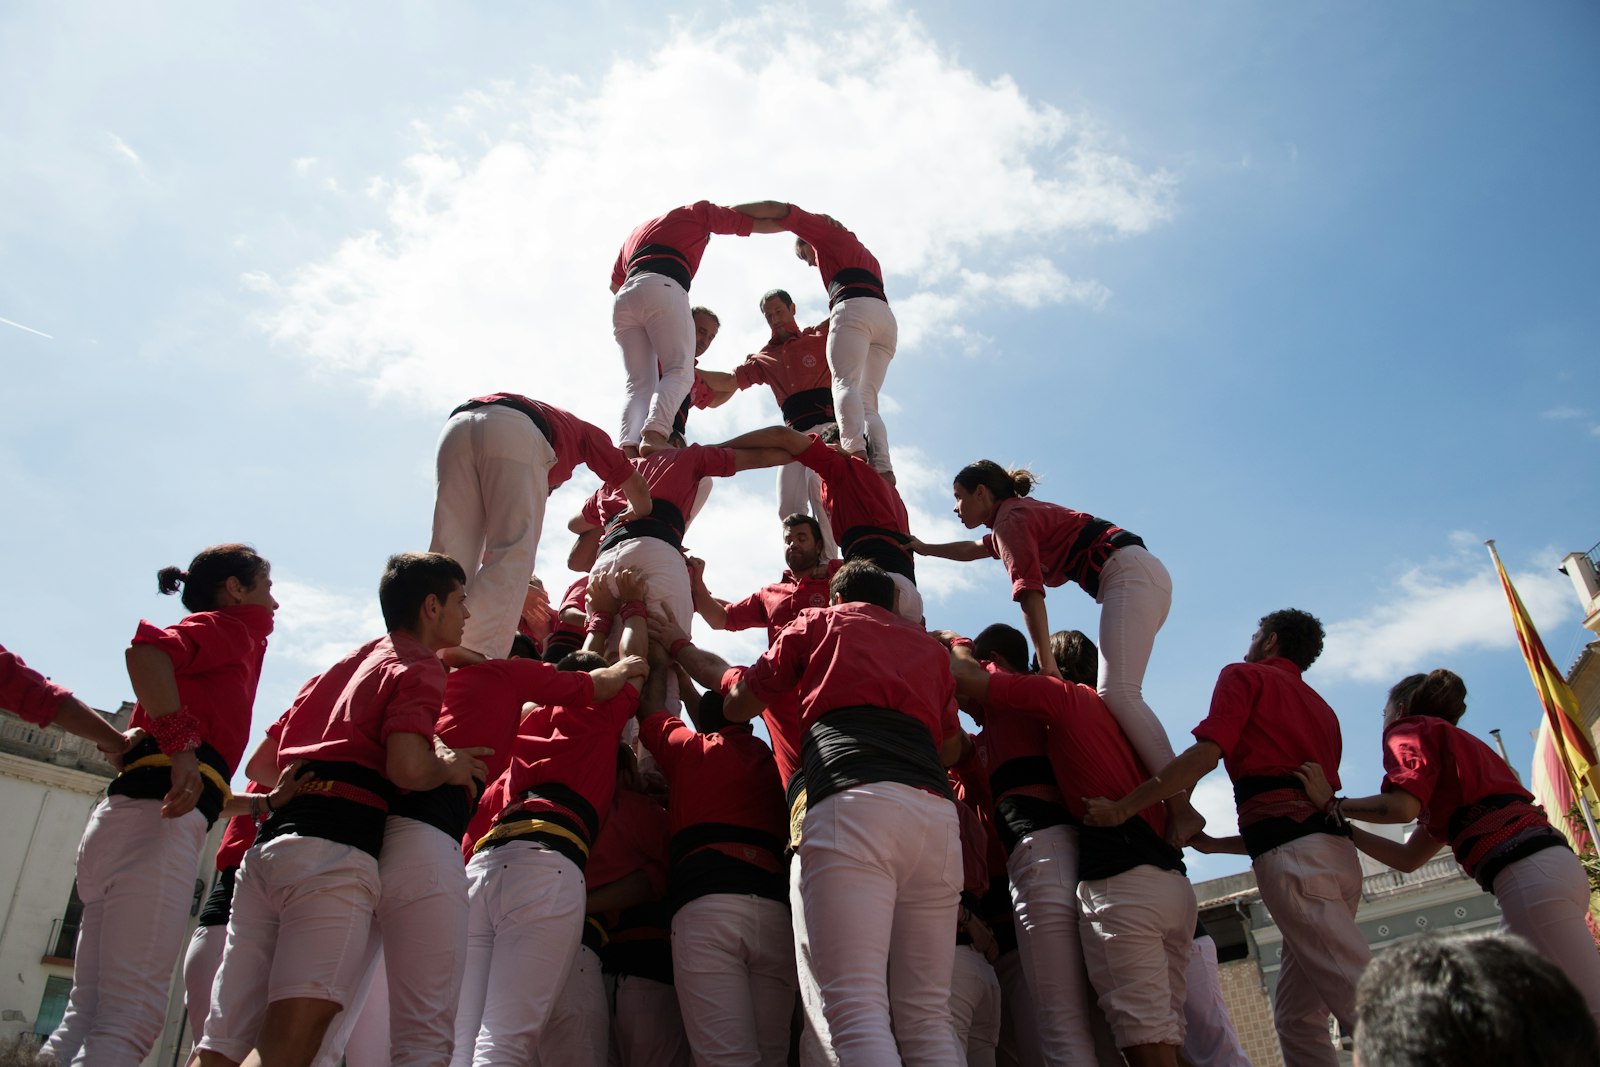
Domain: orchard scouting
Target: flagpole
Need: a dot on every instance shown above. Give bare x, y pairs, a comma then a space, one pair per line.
1579, 786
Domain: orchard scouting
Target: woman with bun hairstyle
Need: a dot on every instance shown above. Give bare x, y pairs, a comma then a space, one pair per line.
1464, 794
196, 684
1044, 544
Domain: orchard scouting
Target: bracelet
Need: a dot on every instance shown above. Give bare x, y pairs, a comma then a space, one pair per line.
633, 609
1335, 811
178, 732
255, 808
960, 642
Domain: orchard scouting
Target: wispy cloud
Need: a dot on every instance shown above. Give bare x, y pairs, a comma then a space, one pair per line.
1561, 413
316, 625
29, 329
501, 226
123, 149
1439, 608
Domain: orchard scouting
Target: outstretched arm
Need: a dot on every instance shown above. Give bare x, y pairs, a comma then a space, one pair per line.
961, 551
1193, 764
752, 458
720, 384
1396, 806
790, 441
1405, 855
767, 214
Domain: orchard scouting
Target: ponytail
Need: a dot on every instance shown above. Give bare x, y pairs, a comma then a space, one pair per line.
207, 573
1001, 483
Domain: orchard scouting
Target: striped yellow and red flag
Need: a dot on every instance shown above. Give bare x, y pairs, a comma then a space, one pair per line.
1565, 721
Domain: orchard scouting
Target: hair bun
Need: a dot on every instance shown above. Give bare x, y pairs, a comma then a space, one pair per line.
168, 579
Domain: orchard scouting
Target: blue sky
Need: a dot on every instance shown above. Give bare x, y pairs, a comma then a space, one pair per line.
1303, 294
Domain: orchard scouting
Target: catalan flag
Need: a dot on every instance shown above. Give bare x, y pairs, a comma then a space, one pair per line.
1565, 723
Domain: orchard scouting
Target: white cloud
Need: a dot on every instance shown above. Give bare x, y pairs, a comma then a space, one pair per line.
121, 148
503, 223
1443, 607
303, 165
314, 626
1213, 798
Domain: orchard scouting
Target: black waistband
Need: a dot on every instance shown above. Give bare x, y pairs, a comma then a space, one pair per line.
594, 937
698, 836
857, 745
1266, 835
1020, 815
1107, 851
808, 408
665, 523
661, 259
567, 797
447, 808
335, 815
219, 902
154, 783
853, 282
530, 410
882, 546
710, 858
548, 839
1253, 785
1468, 814
1537, 839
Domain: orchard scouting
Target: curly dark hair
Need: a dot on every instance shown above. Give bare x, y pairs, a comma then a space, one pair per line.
1299, 635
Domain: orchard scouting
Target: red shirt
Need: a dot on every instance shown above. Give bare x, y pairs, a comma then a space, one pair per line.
574, 441
859, 654
1046, 544
724, 777
1003, 746
1090, 753
27, 692
394, 684
974, 839
836, 247
217, 658
790, 366
483, 703
673, 476
237, 838
496, 795
686, 230
1444, 767
632, 838
574, 745
854, 493
1268, 721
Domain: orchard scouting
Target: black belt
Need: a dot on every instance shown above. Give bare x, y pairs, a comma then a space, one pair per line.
854, 282
515, 405
663, 260
808, 408
881, 546
665, 523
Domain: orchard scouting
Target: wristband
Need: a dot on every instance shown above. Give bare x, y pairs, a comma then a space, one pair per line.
730, 678
178, 732
597, 624
633, 609
677, 646
960, 642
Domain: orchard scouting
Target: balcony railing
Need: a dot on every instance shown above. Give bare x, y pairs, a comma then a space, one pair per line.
1387, 883
62, 944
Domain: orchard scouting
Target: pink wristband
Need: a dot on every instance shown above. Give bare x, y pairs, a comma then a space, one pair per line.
677, 646
597, 624
178, 732
633, 609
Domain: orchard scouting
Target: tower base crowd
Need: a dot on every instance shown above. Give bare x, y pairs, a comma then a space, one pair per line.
513, 832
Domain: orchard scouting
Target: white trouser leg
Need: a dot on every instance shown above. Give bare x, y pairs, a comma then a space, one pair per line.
1543, 897
1137, 927
1209, 1040
136, 875
800, 493
359, 1035
579, 1031
974, 1007
422, 912
1312, 886
880, 882
862, 335
655, 330
199, 969
524, 925
647, 1030
493, 478
1044, 894
733, 965
1135, 596
667, 576
816, 1042
1018, 1044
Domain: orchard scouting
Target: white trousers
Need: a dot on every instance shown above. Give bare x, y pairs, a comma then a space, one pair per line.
1312, 886
301, 928
861, 340
669, 593
975, 1007
422, 915
579, 1031
1543, 897
200, 963
800, 493
1135, 596
1044, 895
1018, 1045
646, 1028
733, 966
1137, 928
1209, 1040
136, 874
880, 880
655, 330
816, 1042
493, 478
524, 924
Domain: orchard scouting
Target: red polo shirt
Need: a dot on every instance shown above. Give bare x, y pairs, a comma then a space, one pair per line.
775, 606
836, 247
1268, 721
1445, 768
1046, 544
853, 493
632, 838
857, 654
573, 745
724, 777
673, 476
1090, 753
790, 366
483, 703
574, 441
237, 837
27, 692
394, 684
216, 656
686, 230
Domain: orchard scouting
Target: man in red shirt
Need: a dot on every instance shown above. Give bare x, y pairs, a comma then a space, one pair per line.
794, 365
307, 889
651, 317
862, 331
36, 699
866, 512
1265, 722
500, 457
880, 854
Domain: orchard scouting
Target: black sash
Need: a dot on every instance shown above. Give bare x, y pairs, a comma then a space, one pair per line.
857, 745
661, 259
528, 409
853, 282
665, 523
154, 783
808, 408
881, 546
344, 802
